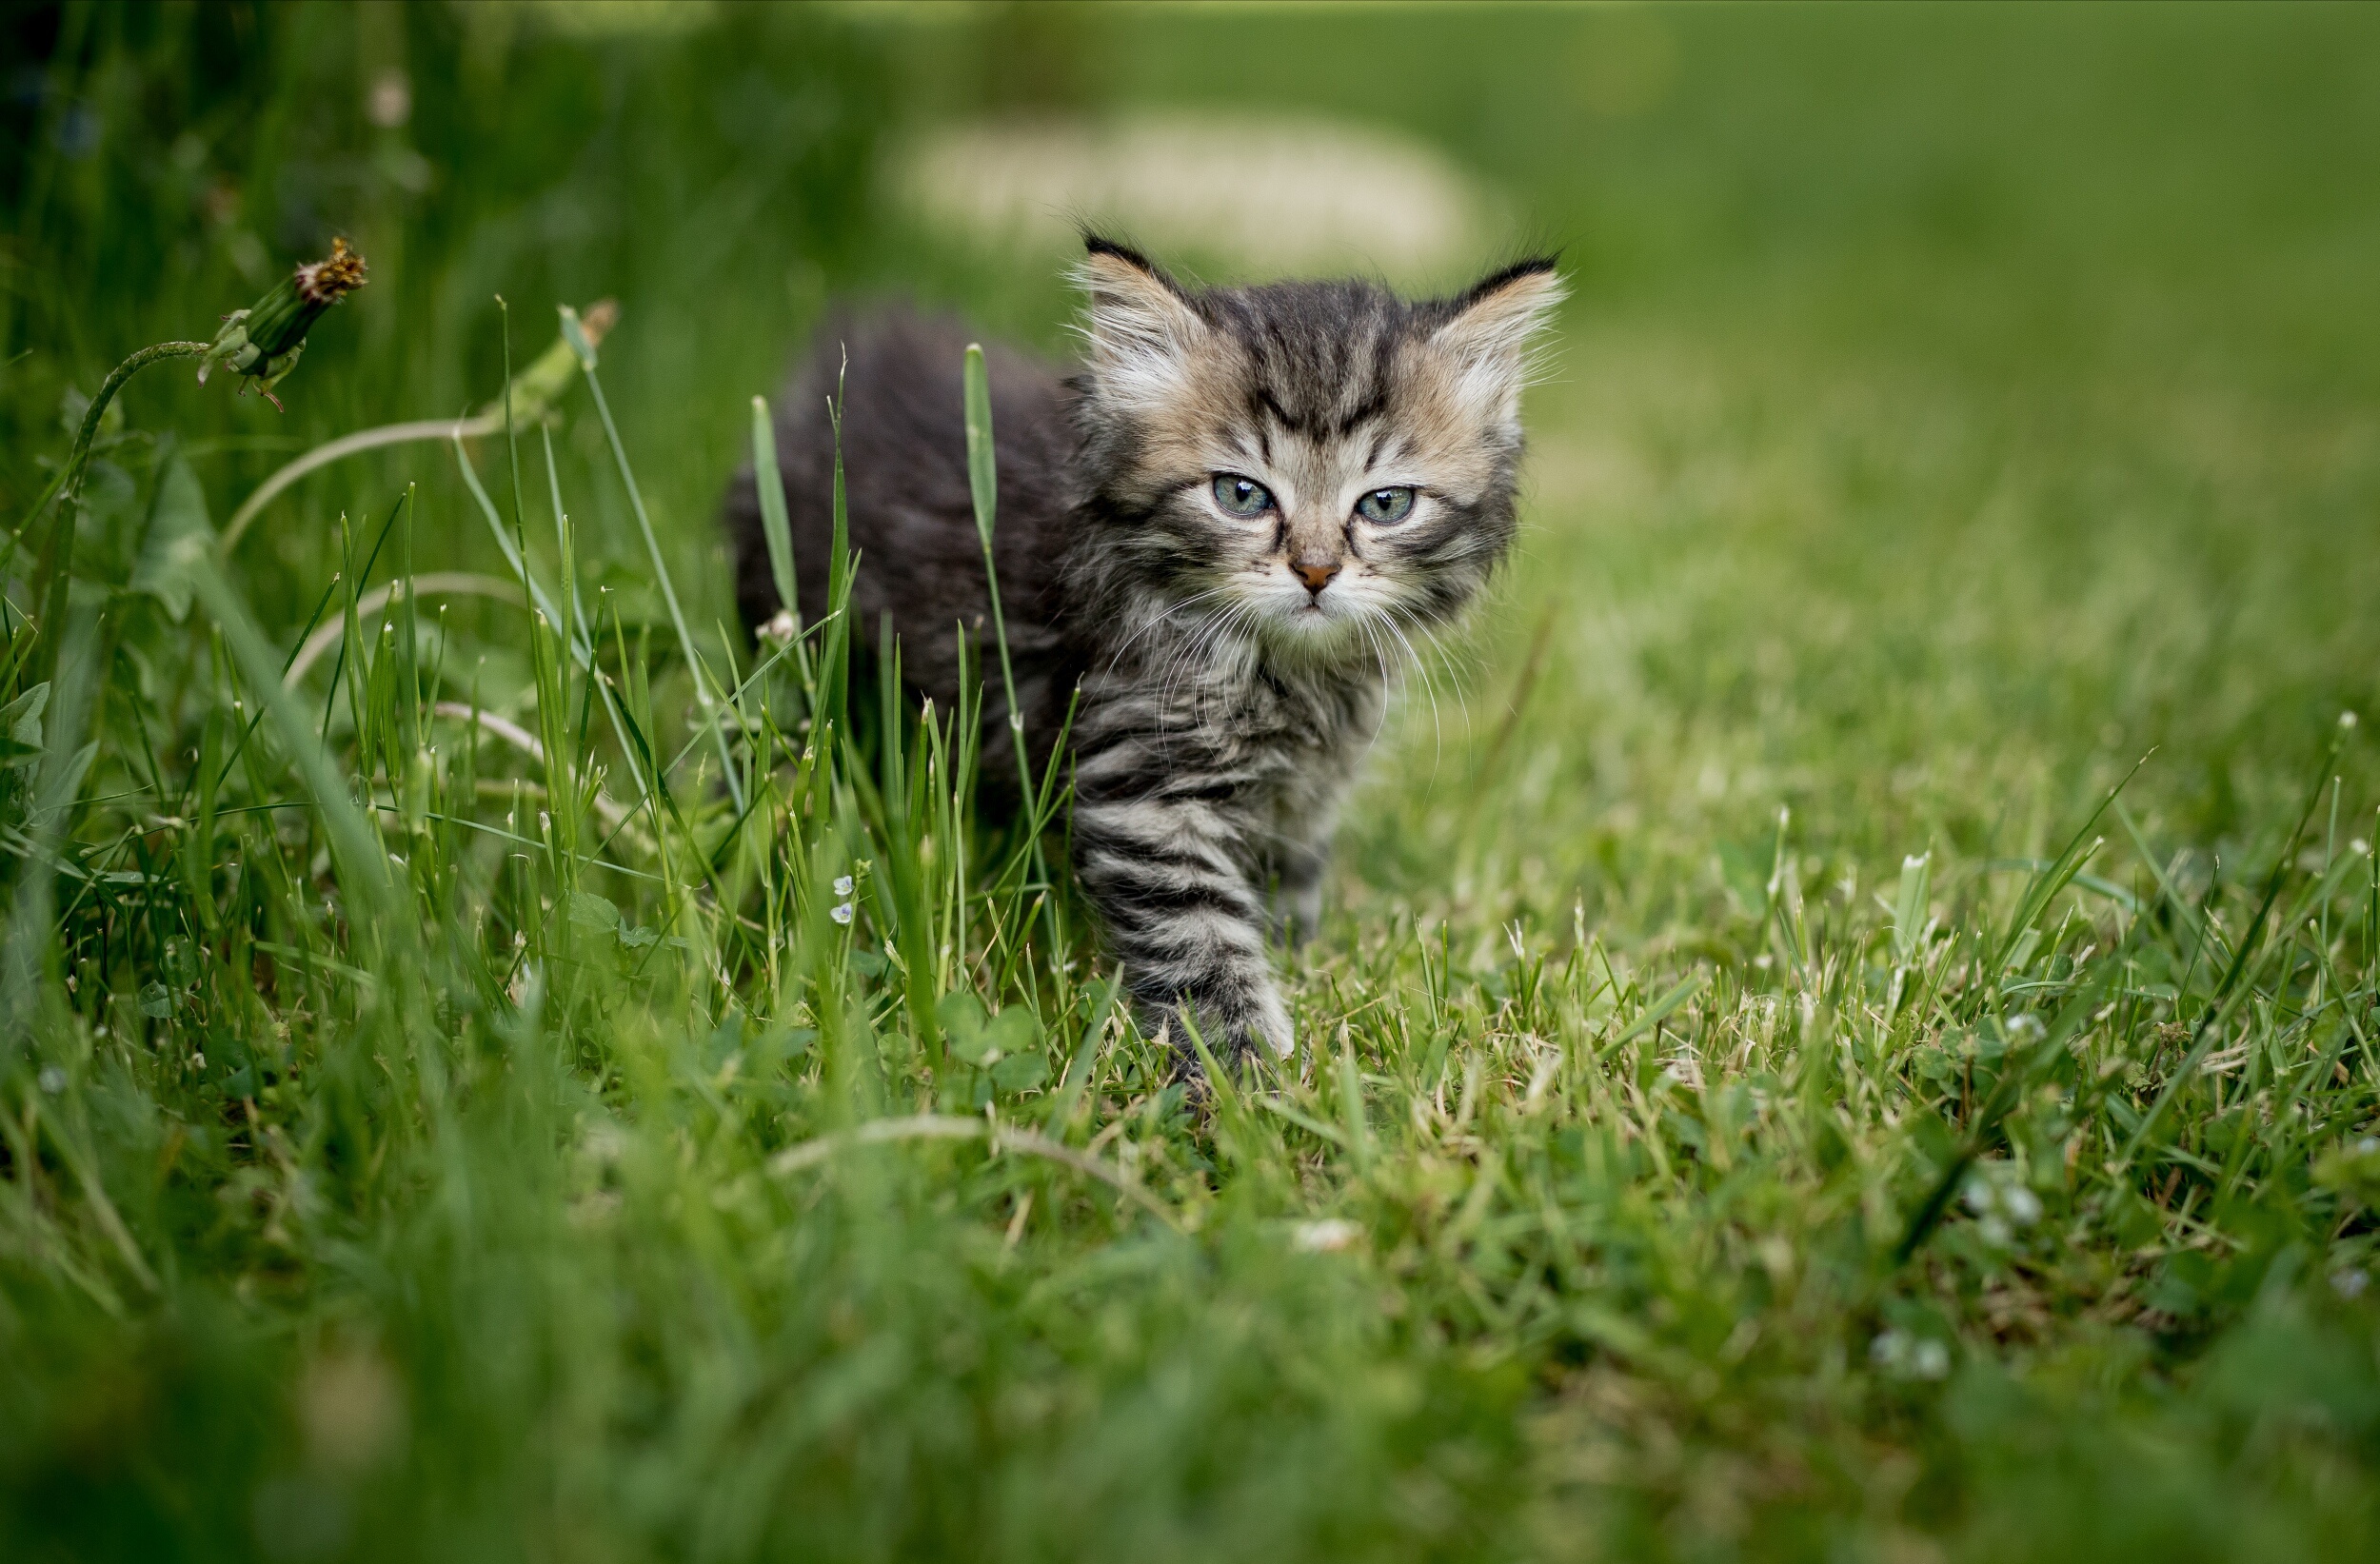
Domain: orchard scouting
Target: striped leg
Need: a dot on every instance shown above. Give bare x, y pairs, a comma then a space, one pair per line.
1305, 816
1164, 860
1296, 870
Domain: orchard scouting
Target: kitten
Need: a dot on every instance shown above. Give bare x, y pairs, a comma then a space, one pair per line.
1225, 531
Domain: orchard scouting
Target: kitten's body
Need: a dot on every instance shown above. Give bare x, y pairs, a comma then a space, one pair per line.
1232, 662
912, 518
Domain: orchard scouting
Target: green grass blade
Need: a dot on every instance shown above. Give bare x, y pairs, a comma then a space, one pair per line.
775, 526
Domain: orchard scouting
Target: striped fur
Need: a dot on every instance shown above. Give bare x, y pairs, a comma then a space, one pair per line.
1227, 699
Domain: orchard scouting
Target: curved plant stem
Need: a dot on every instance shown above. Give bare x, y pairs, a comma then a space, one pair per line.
322, 455
71, 471
428, 584
932, 1126
532, 395
72, 477
58, 560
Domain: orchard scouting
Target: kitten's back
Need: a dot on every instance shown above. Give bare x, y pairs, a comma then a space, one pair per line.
911, 514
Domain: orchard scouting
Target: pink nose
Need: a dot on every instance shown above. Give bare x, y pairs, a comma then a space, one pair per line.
1316, 576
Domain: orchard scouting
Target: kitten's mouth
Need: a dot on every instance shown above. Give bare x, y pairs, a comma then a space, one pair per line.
1314, 623
1305, 622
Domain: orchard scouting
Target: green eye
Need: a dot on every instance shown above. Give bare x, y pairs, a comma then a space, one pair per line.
1385, 506
1241, 496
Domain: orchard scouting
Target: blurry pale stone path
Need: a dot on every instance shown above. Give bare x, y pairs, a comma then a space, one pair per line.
1270, 194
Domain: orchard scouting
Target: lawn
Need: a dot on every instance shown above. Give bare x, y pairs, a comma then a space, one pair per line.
1845, 1021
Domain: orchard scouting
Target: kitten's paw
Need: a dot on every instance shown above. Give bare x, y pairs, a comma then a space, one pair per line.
1272, 1030
1260, 1028
1263, 1032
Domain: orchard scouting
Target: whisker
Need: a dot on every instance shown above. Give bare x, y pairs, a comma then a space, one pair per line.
1161, 618
1431, 639
1188, 659
1429, 688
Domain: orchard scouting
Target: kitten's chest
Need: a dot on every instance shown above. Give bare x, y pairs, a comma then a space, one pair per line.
1296, 740
1260, 744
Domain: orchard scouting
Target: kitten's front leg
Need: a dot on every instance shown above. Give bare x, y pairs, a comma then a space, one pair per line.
1161, 859
1299, 866
1306, 817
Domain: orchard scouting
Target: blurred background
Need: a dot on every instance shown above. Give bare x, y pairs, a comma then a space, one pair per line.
1986, 390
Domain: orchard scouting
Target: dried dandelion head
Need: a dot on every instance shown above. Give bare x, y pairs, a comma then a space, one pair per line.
262, 343
327, 282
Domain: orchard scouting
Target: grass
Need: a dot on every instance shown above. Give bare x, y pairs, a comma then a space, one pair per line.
1784, 1077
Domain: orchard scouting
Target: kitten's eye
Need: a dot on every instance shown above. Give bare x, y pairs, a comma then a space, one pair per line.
1385, 506
1241, 496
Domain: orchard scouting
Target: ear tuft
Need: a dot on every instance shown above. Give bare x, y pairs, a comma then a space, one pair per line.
1490, 328
1142, 325
1099, 244
1498, 280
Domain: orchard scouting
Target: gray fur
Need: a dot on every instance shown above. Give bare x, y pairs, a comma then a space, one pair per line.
1227, 699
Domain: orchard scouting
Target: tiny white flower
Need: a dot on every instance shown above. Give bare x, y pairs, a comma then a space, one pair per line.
1327, 1236
52, 1079
843, 885
2349, 1283
1907, 1357
2000, 1201
840, 912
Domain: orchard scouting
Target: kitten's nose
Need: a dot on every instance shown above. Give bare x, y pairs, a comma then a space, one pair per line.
1316, 576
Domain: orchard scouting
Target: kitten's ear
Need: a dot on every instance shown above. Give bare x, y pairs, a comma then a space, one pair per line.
1142, 326
1490, 329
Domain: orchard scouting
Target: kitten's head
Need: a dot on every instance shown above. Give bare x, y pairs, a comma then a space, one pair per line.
1321, 462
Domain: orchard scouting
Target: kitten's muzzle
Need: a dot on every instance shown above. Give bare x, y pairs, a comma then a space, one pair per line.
1316, 575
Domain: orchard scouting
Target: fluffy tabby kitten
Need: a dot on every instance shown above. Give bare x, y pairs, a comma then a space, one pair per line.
1225, 529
